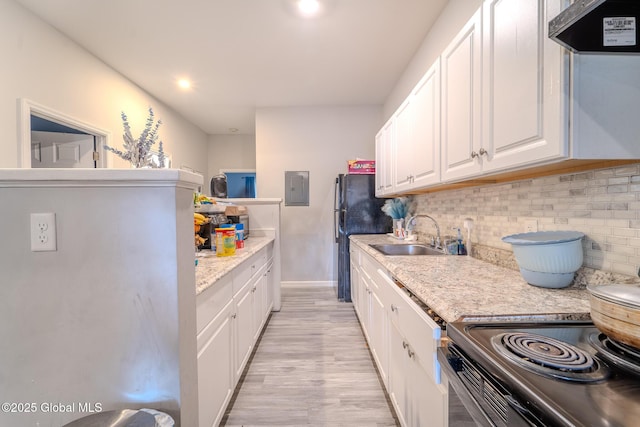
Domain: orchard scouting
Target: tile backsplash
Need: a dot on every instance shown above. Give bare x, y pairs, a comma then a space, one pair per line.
604, 204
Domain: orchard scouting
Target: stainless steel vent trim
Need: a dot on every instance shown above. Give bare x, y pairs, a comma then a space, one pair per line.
579, 27
571, 15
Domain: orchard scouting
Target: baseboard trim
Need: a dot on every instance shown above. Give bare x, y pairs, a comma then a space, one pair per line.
309, 283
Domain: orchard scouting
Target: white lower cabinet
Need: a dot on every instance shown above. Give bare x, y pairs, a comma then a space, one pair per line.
244, 306
378, 334
230, 316
403, 341
215, 366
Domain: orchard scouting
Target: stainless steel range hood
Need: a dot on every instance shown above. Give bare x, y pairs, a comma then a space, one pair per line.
598, 26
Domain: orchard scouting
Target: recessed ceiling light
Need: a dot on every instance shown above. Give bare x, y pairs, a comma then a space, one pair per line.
184, 83
308, 7
233, 130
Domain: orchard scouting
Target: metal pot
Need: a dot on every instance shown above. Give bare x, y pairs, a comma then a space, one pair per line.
615, 310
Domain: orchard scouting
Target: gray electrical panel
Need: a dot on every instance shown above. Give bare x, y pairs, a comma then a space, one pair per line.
296, 188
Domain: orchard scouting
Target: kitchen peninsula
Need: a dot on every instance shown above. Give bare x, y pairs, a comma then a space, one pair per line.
108, 315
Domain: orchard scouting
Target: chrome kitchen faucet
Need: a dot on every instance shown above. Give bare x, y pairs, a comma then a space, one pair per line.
412, 222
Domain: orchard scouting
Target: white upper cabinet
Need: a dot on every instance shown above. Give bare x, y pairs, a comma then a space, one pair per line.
417, 135
504, 97
523, 85
461, 102
384, 159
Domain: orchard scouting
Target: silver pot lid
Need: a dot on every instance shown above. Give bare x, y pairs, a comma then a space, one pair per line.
543, 237
625, 295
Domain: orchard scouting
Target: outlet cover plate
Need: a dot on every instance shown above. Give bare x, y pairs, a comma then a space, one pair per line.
43, 232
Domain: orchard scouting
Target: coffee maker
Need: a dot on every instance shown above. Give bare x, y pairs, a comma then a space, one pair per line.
219, 186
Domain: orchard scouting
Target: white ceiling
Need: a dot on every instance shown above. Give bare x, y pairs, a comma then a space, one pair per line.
243, 54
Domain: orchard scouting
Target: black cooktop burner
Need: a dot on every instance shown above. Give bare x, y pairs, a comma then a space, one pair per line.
616, 353
548, 356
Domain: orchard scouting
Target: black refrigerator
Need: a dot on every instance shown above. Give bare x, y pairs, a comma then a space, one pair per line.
356, 211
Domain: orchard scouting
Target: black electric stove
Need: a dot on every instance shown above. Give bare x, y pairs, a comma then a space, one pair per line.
560, 373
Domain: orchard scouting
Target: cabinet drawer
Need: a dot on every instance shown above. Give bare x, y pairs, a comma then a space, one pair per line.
421, 332
369, 264
243, 273
212, 300
354, 254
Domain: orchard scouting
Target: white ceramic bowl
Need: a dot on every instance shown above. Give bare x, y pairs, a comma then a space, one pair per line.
547, 258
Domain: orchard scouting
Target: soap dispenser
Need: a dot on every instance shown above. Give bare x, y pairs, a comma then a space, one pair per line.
461, 250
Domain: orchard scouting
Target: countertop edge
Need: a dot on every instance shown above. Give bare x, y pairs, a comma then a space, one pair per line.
212, 268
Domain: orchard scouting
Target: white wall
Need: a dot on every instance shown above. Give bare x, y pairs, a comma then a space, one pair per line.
451, 20
319, 140
44, 66
229, 152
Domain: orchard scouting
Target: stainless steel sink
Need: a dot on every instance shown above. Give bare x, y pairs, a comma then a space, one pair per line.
407, 249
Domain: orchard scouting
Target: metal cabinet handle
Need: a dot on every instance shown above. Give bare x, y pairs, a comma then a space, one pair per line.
234, 315
410, 353
404, 344
482, 152
474, 155
394, 308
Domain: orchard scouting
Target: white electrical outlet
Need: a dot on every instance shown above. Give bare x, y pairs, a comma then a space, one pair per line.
43, 232
530, 225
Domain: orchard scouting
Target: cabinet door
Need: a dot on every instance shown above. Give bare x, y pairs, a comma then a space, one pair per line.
523, 85
384, 159
398, 381
428, 401
365, 305
244, 327
259, 290
417, 135
355, 286
461, 102
424, 152
378, 334
215, 367
403, 157
268, 294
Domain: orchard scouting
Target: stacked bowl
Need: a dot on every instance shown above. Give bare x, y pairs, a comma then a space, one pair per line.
548, 259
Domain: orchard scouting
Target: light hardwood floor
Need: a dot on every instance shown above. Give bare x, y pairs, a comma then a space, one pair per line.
311, 367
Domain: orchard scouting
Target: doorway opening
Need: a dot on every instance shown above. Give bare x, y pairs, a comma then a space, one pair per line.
50, 139
241, 184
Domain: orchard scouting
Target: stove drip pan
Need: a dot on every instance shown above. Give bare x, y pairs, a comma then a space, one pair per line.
549, 357
616, 353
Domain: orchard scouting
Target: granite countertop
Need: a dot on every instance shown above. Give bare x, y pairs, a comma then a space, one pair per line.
455, 286
211, 268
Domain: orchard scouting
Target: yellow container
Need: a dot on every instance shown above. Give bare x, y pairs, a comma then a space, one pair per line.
225, 241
